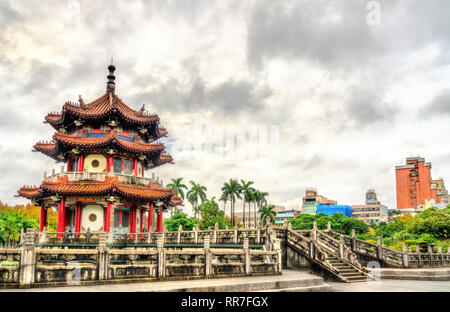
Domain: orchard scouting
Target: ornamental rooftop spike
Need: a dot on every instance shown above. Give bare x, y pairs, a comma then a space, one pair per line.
111, 85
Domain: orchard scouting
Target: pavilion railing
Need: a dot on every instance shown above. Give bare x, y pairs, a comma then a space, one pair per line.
42, 259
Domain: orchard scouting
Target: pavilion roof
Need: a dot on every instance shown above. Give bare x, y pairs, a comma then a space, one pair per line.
110, 187
107, 105
63, 142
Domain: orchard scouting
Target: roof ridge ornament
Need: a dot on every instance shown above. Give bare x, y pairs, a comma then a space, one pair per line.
111, 85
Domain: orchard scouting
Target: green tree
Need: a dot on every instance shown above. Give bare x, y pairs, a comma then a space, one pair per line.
174, 222
246, 194
177, 187
266, 212
231, 191
11, 224
196, 194
433, 222
211, 214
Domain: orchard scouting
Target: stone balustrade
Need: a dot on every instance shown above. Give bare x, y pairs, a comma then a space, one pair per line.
45, 259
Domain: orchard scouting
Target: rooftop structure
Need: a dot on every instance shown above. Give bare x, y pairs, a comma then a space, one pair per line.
106, 147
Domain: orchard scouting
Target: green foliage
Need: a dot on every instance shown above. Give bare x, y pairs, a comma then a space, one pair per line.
11, 223
174, 222
177, 187
433, 222
339, 223
211, 214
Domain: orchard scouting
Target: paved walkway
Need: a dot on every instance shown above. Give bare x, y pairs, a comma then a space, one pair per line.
386, 285
203, 284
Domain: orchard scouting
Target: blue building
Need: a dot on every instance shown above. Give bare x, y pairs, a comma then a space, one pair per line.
331, 209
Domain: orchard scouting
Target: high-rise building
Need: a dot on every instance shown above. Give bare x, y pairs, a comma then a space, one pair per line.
372, 211
415, 186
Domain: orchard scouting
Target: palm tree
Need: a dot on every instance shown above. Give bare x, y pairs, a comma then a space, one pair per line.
267, 213
258, 198
177, 188
196, 192
246, 191
231, 191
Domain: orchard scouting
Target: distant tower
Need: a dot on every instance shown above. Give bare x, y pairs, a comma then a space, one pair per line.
371, 197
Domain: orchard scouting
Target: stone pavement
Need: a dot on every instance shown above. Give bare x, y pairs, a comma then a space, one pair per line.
288, 280
386, 285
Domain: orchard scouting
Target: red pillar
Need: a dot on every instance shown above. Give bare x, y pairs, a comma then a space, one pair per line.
159, 223
42, 220
150, 216
69, 164
108, 163
61, 216
143, 169
78, 218
133, 219
141, 225
108, 216
135, 165
81, 163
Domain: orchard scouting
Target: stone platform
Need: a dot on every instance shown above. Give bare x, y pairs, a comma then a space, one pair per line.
423, 274
290, 280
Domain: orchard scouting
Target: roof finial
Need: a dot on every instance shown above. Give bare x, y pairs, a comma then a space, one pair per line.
111, 85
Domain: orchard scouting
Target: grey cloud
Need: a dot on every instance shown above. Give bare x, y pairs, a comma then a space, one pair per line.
439, 106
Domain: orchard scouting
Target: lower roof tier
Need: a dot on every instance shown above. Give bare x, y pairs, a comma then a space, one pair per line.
110, 187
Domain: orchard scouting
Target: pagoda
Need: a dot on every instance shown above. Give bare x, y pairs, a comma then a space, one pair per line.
105, 146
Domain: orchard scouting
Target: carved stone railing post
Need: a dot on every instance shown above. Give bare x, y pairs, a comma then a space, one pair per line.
208, 256
258, 236
164, 233
405, 256
341, 246
28, 258
43, 239
161, 257
247, 256
216, 229
329, 227
353, 240
149, 236
180, 228
314, 231
419, 259
235, 237
440, 255
379, 249
196, 234
102, 256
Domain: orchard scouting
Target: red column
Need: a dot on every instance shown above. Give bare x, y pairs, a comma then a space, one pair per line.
159, 220
135, 165
69, 164
150, 216
141, 225
122, 167
61, 216
42, 220
78, 218
108, 163
81, 163
143, 168
108, 216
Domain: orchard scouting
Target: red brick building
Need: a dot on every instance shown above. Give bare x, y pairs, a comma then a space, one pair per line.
414, 184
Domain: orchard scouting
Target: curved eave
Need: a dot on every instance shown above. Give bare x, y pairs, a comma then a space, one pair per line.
162, 160
106, 105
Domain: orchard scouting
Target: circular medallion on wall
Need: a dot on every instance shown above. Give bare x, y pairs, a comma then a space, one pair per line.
95, 163
92, 217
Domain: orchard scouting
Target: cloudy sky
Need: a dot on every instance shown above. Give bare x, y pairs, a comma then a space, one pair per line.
339, 91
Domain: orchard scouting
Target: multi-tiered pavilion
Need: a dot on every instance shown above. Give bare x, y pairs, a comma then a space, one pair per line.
106, 147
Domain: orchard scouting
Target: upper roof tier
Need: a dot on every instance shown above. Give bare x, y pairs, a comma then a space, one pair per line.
108, 108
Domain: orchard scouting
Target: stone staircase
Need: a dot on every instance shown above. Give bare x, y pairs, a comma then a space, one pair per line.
345, 271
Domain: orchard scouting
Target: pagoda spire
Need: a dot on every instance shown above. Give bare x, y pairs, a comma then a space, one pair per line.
111, 85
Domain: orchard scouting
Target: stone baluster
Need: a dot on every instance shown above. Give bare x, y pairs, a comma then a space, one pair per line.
43, 239
353, 240
161, 256
379, 249
440, 255
258, 236
28, 258
247, 256
208, 255
216, 229
102, 256
341, 247
180, 228
405, 256
329, 227
149, 236
196, 234
430, 251
314, 231
419, 257
235, 237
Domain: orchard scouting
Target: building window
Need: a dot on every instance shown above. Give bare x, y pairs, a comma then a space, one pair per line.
117, 165
121, 218
74, 164
127, 166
